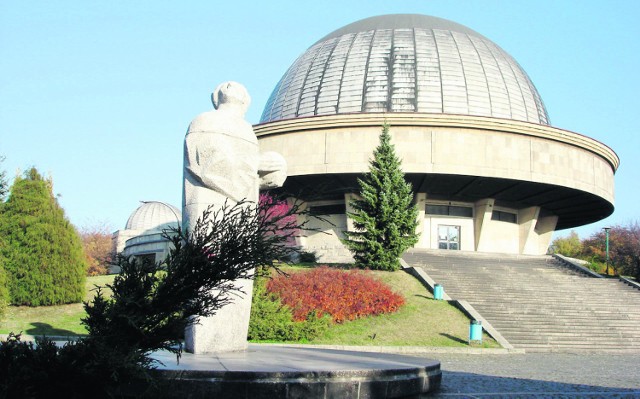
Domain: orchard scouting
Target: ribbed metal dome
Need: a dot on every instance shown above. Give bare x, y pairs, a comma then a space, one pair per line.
406, 63
154, 215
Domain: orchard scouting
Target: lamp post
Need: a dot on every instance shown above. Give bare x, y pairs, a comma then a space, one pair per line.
606, 234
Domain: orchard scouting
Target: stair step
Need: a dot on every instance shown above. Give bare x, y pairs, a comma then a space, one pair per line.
537, 303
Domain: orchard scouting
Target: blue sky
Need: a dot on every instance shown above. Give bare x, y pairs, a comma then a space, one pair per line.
99, 94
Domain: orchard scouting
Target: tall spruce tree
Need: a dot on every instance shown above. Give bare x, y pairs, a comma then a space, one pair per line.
42, 252
384, 217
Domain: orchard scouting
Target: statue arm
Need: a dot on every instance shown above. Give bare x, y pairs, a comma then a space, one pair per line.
206, 177
272, 170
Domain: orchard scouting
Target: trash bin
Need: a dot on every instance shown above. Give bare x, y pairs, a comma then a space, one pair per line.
437, 292
475, 331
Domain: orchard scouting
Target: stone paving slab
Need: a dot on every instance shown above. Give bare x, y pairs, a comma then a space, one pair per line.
539, 375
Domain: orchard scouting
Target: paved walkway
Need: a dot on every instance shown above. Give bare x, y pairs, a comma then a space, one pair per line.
538, 375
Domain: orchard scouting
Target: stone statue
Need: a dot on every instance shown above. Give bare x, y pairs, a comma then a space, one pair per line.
222, 163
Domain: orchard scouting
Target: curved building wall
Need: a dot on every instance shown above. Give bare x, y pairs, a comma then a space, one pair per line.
548, 178
443, 144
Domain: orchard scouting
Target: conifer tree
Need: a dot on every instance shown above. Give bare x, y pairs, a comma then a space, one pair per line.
4, 292
4, 185
384, 217
42, 253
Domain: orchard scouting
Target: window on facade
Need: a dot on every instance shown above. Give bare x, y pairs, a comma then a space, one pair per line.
151, 258
503, 216
450, 210
334, 209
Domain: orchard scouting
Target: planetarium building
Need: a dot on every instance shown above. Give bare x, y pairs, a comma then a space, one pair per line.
489, 172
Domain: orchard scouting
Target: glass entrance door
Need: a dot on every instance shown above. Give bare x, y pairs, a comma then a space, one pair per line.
448, 237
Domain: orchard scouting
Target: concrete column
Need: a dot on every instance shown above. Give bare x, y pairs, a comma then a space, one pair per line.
421, 203
527, 219
481, 220
348, 197
301, 239
544, 229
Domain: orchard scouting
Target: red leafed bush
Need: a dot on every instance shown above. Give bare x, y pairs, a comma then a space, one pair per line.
345, 295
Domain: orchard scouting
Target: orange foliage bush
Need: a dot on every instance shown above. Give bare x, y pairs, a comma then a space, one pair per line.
345, 295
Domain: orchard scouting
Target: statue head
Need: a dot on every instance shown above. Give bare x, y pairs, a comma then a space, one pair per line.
231, 95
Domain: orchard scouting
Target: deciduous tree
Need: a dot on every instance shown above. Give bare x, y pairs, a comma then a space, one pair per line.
624, 249
384, 217
98, 248
568, 246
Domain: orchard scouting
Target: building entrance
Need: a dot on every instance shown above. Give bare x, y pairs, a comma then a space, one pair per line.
448, 237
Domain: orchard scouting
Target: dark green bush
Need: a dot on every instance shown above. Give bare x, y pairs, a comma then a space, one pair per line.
308, 257
41, 251
273, 321
76, 370
4, 292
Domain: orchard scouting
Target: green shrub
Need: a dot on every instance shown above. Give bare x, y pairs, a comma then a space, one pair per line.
42, 252
78, 369
4, 292
273, 321
308, 257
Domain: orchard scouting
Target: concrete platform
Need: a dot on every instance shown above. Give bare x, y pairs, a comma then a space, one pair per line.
265, 371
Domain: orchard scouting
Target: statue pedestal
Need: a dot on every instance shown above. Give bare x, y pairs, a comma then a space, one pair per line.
226, 331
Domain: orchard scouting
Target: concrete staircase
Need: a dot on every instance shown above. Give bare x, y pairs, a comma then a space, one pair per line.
538, 304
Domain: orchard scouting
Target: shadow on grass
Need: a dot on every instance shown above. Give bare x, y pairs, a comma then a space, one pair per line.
40, 329
454, 338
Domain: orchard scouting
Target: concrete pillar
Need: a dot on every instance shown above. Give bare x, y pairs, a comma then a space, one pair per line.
544, 229
527, 219
421, 203
481, 220
301, 239
348, 197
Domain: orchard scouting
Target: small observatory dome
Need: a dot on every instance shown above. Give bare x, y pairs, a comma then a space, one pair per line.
154, 215
406, 63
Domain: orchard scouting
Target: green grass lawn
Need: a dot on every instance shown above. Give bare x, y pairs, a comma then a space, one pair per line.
62, 320
422, 321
